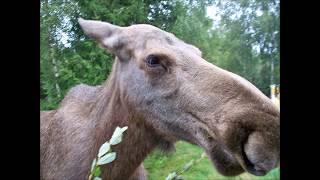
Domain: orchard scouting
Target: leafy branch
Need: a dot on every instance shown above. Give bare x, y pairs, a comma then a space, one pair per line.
105, 154
176, 175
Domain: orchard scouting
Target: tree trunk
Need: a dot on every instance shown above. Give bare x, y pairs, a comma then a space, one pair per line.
52, 52
55, 71
272, 71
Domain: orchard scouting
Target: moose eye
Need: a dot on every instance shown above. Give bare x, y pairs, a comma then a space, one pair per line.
153, 60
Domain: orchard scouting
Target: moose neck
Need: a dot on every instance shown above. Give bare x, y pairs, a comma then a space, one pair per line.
138, 140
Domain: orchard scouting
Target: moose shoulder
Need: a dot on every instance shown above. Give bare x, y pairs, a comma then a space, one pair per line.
164, 91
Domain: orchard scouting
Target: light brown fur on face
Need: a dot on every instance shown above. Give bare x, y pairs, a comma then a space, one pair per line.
180, 97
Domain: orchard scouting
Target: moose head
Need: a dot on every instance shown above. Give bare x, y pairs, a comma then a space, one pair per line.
183, 97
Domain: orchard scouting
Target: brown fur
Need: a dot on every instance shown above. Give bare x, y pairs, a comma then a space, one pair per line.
184, 98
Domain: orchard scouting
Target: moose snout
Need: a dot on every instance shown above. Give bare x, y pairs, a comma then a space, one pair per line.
259, 155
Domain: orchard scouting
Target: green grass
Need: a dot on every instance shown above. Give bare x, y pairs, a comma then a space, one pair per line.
160, 165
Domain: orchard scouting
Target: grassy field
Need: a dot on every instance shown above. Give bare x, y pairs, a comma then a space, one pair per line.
159, 166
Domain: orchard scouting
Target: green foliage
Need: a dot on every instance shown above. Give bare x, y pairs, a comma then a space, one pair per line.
250, 41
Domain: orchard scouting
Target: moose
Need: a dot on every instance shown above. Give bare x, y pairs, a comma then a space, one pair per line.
164, 91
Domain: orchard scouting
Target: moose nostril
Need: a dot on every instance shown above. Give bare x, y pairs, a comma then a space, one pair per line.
259, 156
255, 167
210, 138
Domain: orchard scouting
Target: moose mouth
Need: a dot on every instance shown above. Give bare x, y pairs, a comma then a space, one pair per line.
229, 164
250, 166
233, 162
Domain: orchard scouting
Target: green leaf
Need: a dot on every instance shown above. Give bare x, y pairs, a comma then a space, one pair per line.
93, 164
117, 135
171, 176
97, 172
104, 149
188, 165
124, 129
107, 158
178, 178
203, 155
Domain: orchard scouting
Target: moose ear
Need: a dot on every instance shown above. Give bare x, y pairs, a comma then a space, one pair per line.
108, 35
